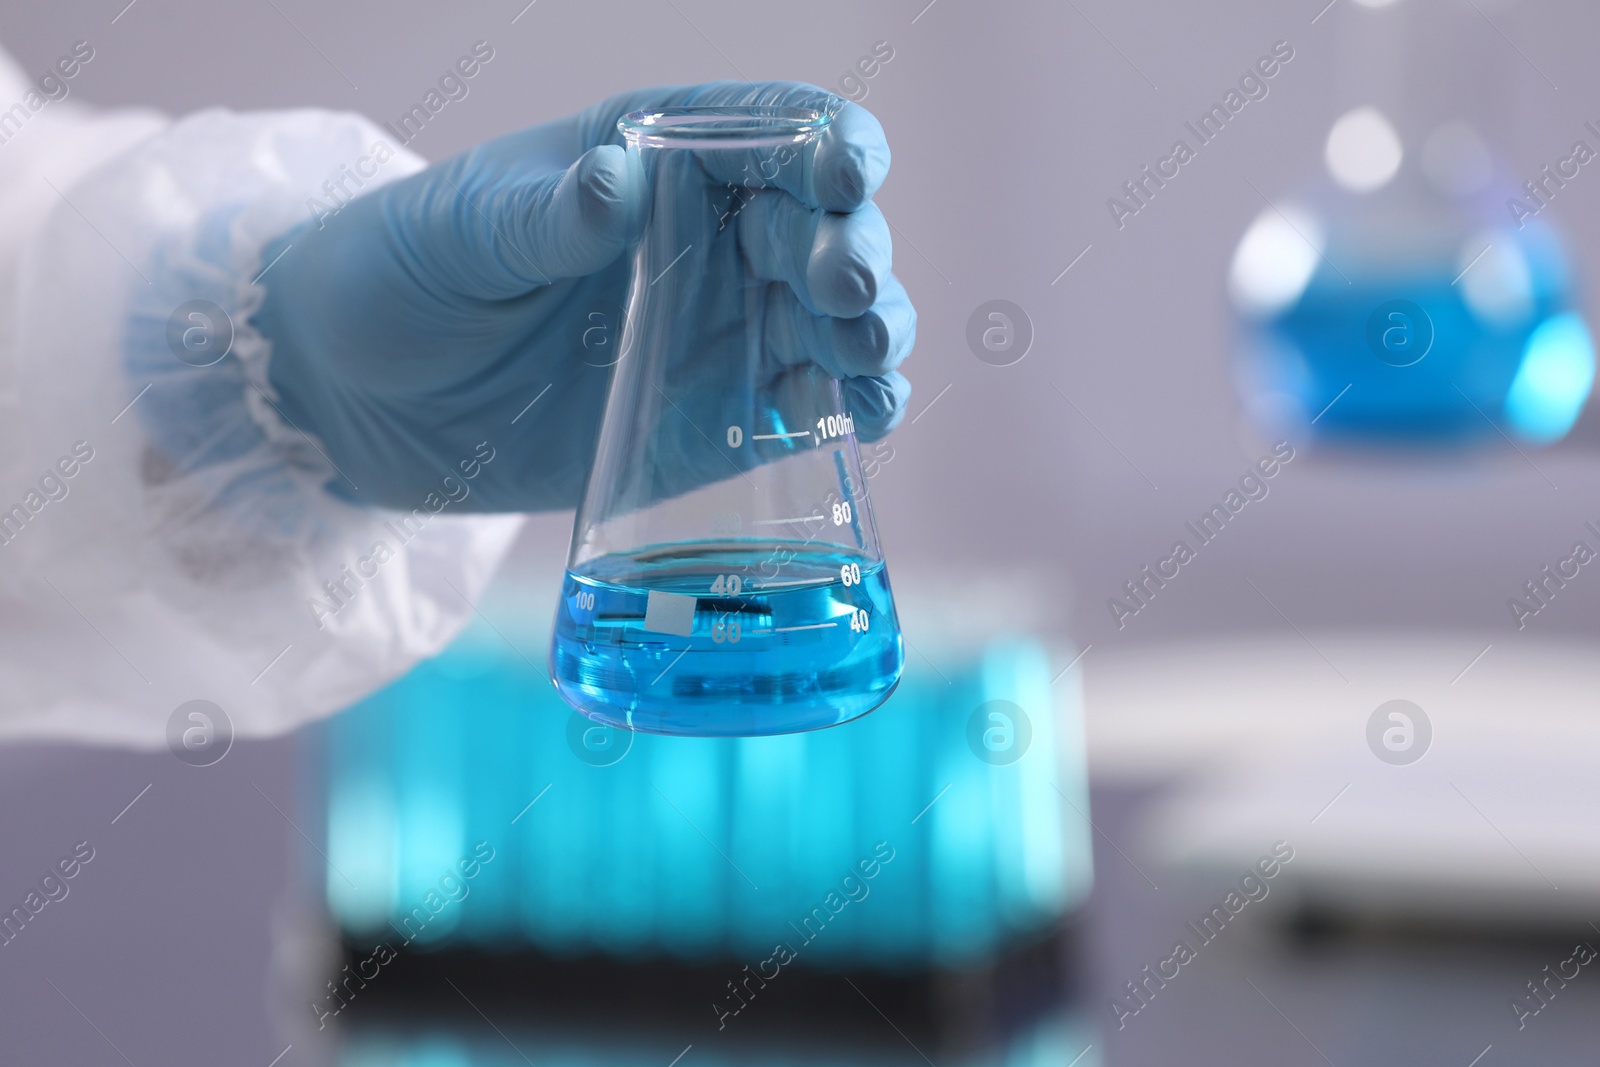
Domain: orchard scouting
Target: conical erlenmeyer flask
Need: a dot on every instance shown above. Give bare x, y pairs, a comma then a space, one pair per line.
725, 576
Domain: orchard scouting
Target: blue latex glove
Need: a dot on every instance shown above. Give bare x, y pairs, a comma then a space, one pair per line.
426, 315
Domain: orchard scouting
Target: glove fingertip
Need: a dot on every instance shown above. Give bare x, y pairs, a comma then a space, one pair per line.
852, 160
878, 404
603, 189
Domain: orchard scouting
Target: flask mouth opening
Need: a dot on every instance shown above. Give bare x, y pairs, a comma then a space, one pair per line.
723, 127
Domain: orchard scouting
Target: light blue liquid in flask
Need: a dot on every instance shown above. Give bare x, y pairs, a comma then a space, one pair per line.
725, 577
774, 657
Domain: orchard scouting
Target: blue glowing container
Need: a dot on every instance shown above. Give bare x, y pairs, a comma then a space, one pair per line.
1391, 322
935, 832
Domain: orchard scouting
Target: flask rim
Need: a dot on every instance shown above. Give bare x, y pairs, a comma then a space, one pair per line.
722, 126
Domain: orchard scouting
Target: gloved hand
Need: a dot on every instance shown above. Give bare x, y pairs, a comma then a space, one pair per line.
426, 315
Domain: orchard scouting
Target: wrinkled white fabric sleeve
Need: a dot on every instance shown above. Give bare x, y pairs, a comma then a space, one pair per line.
164, 532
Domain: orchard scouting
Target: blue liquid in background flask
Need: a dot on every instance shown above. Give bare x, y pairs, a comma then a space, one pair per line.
1418, 297
725, 576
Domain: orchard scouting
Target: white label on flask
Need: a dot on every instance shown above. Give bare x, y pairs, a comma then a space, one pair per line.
669, 613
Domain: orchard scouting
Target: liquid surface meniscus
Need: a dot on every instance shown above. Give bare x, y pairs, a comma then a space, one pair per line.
727, 638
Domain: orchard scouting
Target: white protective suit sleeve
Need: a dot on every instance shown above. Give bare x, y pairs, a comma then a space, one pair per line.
164, 534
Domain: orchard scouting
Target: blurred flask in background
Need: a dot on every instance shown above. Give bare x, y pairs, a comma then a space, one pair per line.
1416, 296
